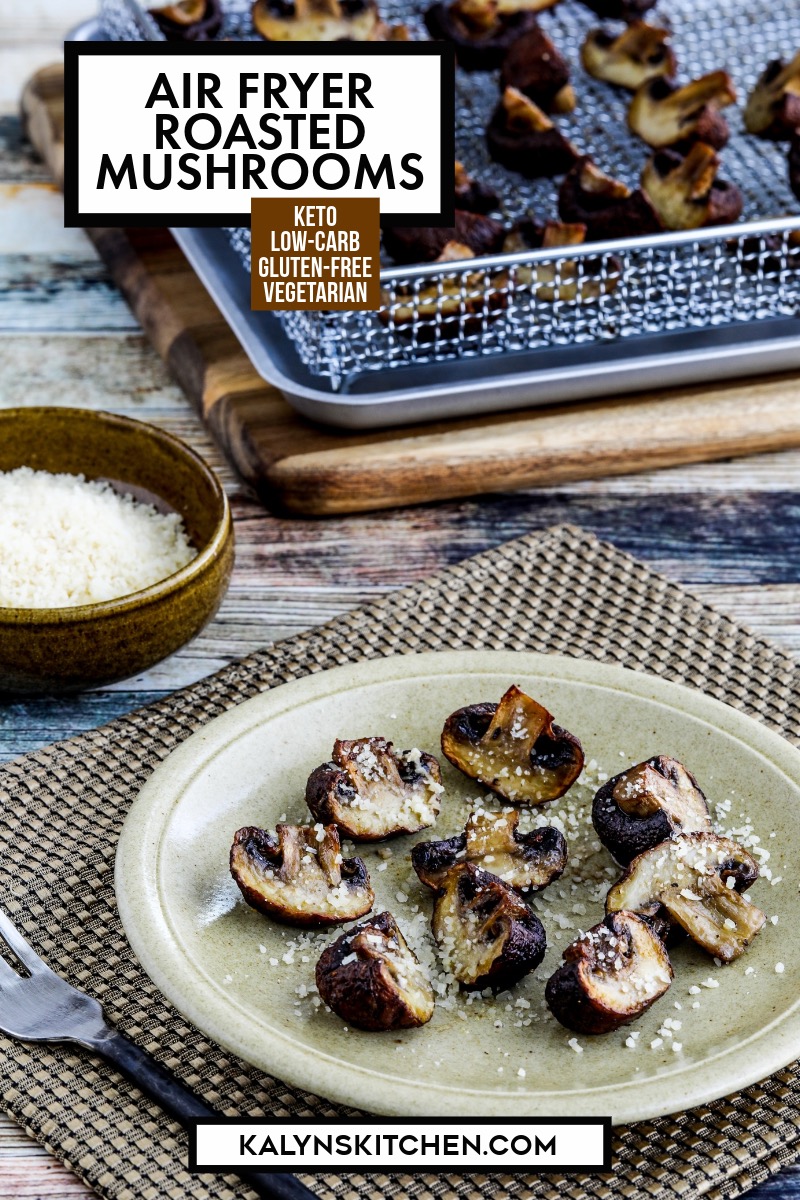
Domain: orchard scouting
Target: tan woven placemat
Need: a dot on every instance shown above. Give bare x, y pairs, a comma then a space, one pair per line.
560, 591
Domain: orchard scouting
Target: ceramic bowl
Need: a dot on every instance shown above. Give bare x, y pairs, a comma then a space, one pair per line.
49, 650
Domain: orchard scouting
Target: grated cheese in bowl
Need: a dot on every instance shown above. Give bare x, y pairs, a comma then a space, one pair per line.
66, 541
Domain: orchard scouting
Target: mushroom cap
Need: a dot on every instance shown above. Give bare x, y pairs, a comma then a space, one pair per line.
415, 244
639, 53
609, 209
189, 20
522, 138
472, 195
491, 840
513, 748
372, 791
610, 975
685, 191
794, 163
536, 68
477, 48
486, 934
646, 804
318, 20
773, 106
299, 877
372, 979
665, 115
619, 10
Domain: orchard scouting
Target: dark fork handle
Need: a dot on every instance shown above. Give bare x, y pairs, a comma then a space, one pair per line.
157, 1083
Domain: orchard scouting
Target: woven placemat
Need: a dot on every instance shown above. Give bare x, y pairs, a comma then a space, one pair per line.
560, 591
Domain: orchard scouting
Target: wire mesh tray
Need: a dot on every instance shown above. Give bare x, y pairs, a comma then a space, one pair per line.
601, 295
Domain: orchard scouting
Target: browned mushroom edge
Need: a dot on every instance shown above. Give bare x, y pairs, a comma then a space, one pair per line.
610, 975
535, 67
473, 195
567, 280
189, 20
372, 979
418, 244
665, 115
491, 840
481, 31
486, 934
524, 139
773, 106
628, 59
619, 10
372, 791
299, 877
685, 191
646, 804
794, 163
452, 308
606, 207
318, 21
513, 748
695, 881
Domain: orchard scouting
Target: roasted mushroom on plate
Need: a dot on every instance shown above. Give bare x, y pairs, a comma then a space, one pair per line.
663, 114
610, 975
299, 877
424, 243
694, 880
536, 68
513, 748
372, 979
685, 191
523, 138
372, 791
318, 21
481, 30
486, 934
646, 804
773, 106
629, 59
606, 207
472, 195
491, 840
189, 20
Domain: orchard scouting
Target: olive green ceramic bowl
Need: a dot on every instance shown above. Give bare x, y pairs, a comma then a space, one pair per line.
48, 650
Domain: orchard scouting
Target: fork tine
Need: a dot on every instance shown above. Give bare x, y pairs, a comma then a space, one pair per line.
18, 946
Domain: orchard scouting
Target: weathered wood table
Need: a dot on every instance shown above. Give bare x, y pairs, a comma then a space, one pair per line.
729, 531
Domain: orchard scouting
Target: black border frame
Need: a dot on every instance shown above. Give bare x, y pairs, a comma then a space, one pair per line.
73, 51
406, 1169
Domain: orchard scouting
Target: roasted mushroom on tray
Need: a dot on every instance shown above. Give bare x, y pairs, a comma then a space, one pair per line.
318, 21
773, 106
619, 10
566, 280
536, 68
372, 979
663, 114
472, 195
453, 307
372, 791
610, 975
299, 877
423, 243
481, 30
694, 880
629, 59
646, 804
513, 748
523, 138
606, 207
794, 163
486, 934
491, 840
685, 191
189, 20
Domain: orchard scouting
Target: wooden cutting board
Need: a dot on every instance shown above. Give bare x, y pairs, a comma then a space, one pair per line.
299, 467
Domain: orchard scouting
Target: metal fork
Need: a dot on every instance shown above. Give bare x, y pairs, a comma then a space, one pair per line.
43, 1007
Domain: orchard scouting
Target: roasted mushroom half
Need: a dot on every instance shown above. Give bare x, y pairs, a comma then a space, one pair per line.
472, 195
619, 10
189, 20
491, 840
646, 804
372, 979
486, 934
607, 207
372, 791
773, 106
536, 68
663, 114
481, 30
562, 279
318, 20
685, 191
794, 163
423, 243
639, 53
299, 877
610, 975
695, 880
449, 308
523, 138
513, 748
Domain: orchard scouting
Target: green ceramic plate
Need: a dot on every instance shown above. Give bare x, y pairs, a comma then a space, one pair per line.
246, 982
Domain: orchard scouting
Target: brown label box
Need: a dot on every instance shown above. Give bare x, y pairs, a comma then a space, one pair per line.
312, 253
